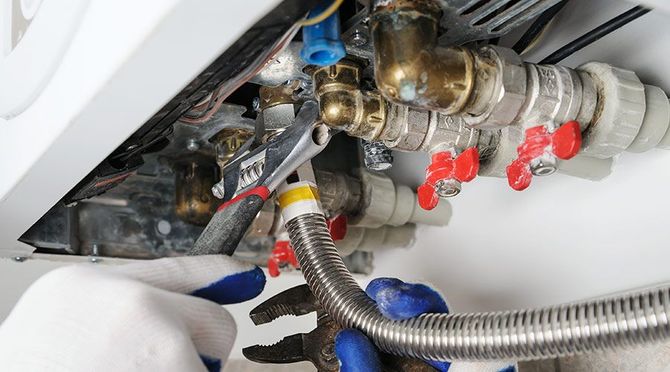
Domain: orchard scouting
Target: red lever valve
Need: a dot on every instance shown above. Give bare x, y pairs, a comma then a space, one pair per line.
282, 255
445, 174
337, 227
540, 150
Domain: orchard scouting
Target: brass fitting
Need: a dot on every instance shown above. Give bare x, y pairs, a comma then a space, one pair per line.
194, 202
227, 142
281, 94
344, 106
367, 115
277, 107
410, 69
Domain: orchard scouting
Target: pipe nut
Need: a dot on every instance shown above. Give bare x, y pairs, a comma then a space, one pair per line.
500, 88
410, 127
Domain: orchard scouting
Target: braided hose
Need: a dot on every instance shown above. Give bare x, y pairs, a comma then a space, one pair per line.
514, 335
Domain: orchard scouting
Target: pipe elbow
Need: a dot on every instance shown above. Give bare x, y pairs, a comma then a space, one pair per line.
404, 82
410, 68
338, 109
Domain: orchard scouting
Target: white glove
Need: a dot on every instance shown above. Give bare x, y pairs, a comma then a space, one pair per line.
147, 316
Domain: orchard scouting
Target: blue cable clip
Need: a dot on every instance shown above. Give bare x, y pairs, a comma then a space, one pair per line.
322, 45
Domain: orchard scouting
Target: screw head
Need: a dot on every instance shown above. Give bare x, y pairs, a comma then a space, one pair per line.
447, 188
544, 165
218, 190
256, 104
163, 227
358, 38
192, 145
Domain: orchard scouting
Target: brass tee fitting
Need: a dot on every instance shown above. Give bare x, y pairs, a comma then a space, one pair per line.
344, 106
410, 69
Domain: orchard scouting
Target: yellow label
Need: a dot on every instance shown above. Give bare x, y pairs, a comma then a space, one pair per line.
298, 194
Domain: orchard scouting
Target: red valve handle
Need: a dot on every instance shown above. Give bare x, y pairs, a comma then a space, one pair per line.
443, 166
337, 227
282, 254
564, 143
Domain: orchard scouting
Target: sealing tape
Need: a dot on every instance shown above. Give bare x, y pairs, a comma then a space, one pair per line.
298, 199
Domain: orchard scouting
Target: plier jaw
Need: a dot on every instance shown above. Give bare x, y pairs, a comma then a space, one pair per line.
317, 346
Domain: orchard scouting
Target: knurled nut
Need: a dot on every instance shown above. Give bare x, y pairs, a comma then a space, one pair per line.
619, 113
401, 213
656, 121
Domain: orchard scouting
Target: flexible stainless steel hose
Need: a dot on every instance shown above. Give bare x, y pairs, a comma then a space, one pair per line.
515, 335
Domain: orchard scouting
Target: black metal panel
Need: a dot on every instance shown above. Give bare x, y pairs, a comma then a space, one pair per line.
151, 136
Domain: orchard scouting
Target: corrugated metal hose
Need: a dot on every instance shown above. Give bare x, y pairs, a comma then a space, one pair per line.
512, 335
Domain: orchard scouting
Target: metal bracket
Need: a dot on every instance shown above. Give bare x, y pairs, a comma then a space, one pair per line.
472, 20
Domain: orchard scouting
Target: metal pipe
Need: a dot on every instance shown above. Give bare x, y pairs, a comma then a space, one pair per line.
518, 335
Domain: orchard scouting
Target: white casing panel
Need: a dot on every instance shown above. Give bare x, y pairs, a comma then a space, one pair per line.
125, 60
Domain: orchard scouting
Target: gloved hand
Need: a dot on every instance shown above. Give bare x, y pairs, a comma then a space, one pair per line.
160, 315
398, 300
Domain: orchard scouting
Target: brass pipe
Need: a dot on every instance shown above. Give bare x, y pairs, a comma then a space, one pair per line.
344, 106
410, 68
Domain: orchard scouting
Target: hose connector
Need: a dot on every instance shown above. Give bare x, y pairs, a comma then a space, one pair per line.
322, 45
